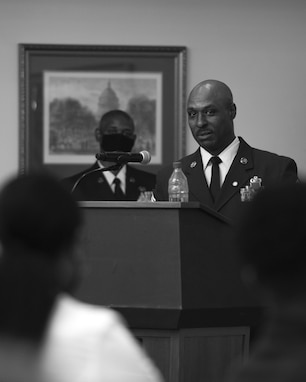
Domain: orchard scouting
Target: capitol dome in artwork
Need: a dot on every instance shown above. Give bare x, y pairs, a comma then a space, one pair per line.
107, 101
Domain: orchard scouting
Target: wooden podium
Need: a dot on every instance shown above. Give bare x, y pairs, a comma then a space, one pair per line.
171, 270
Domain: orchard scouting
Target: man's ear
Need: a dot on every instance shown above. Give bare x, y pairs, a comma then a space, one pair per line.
70, 269
98, 135
233, 111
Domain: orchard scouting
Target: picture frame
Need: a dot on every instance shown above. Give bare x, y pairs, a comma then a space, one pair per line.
64, 90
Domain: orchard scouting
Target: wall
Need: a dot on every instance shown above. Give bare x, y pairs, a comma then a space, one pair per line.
258, 50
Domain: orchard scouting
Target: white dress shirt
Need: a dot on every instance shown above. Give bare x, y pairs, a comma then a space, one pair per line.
109, 176
227, 156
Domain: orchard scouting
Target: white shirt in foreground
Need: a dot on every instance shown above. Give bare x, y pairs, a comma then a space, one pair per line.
87, 343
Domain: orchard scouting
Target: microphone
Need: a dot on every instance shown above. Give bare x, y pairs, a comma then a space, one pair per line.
144, 157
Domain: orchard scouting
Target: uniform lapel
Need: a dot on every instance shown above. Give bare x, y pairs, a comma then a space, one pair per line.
132, 191
95, 186
238, 174
103, 189
198, 188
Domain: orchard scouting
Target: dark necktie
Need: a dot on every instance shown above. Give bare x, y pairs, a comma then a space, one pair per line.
119, 195
215, 177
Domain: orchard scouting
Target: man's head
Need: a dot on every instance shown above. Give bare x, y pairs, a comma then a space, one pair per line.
272, 240
116, 131
39, 215
211, 112
39, 223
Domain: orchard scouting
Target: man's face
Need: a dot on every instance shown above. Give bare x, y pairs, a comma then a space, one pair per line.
117, 126
210, 119
116, 134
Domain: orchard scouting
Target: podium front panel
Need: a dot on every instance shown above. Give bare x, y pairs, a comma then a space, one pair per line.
163, 265
132, 256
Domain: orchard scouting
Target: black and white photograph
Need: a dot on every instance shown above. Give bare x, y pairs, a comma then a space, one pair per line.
74, 103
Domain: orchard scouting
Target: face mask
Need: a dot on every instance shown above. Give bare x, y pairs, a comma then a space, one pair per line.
117, 142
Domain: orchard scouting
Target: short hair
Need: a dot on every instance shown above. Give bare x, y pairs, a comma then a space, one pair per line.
120, 114
272, 238
37, 213
38, 219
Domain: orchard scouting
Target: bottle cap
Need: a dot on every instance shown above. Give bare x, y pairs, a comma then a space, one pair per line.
177, 165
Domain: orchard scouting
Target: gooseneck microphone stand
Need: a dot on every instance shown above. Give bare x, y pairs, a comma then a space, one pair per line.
114, 167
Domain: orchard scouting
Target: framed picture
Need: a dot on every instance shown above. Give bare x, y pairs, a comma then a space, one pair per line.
65, 89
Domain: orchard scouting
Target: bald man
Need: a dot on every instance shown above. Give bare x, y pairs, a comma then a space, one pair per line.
211, 113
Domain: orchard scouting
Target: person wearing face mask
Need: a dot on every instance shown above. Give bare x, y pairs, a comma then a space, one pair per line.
116, 132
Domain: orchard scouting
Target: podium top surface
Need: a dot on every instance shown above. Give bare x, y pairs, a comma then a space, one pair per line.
129, 204
126, 205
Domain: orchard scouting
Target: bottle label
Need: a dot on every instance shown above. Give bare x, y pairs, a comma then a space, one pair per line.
178, 197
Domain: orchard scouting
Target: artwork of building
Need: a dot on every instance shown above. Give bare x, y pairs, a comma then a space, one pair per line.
107, 101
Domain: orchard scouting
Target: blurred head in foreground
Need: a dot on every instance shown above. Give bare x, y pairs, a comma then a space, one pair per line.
272, 242
39, 223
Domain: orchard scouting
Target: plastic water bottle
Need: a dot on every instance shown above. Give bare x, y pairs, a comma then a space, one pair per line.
178, 185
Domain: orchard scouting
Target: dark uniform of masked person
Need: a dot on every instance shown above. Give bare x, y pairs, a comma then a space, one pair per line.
116, 132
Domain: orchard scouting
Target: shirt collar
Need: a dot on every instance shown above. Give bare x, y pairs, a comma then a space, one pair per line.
109, 176
227, 155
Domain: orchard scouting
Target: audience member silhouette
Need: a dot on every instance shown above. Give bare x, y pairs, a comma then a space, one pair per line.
45, 333
272, 243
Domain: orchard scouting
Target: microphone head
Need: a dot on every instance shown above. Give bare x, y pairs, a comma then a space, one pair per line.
146, 157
